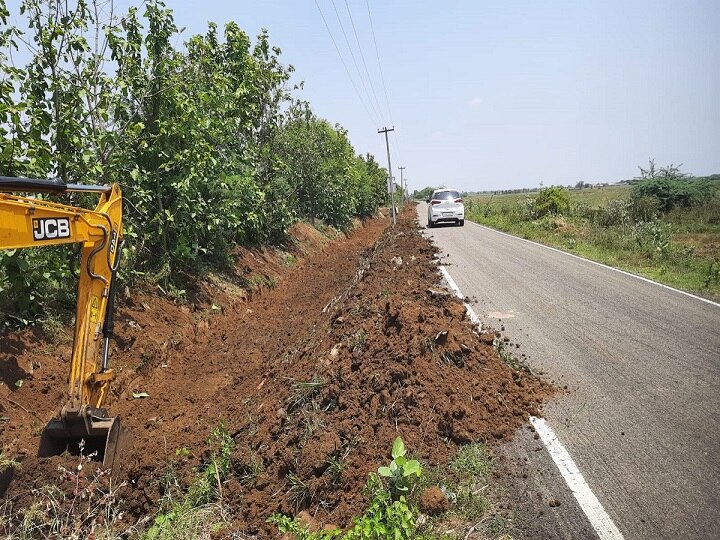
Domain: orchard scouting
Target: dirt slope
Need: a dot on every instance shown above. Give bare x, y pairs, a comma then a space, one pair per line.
347, 351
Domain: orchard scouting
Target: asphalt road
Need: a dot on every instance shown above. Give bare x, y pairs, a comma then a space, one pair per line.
641, 362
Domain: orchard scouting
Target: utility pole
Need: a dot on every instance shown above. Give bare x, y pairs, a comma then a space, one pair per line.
402, 184
392, 183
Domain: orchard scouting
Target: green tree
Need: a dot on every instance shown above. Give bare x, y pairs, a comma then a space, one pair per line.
424, 193
669, 186
207, 141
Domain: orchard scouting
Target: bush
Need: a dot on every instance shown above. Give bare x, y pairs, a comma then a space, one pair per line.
711, 208
526, 209
669, 192
552, 200
616, 213
672, 188
35, 283
653, 235
644, 208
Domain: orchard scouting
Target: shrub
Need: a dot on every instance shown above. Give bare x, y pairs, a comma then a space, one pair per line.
711, 208
669, 192
552, 200
616, 213
644, 208
672, 188
526, 209
653, 235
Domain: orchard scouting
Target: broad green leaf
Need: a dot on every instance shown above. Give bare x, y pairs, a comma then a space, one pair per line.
412, 467
398, 448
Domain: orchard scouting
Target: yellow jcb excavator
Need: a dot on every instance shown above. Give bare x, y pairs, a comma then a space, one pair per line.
32, 222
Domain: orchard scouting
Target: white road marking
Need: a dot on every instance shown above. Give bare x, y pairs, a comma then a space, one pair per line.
501, 315
451, 282
470, 311
589, 503
696, 297
599, 519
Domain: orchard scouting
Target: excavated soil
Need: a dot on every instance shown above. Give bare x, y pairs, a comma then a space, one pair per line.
337, 350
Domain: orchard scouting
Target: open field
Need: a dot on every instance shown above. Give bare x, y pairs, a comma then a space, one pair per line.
680, 248
596, 196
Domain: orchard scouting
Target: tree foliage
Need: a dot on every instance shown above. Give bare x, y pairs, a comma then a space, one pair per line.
424, 193
206, 139
668, 187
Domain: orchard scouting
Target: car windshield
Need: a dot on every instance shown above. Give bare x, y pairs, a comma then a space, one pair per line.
446, 195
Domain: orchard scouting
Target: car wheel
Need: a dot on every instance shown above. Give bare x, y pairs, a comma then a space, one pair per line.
461, 222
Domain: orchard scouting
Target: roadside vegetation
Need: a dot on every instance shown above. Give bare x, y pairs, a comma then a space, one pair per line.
664, 225
406, 502
204, 134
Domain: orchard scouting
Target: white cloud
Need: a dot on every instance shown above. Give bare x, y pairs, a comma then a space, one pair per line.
477, 100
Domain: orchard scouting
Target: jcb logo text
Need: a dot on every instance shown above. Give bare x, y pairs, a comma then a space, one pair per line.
49, 228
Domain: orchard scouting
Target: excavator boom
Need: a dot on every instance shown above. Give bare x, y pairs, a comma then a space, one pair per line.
34, 222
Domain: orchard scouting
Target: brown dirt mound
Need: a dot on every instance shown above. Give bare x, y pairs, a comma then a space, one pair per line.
314, 379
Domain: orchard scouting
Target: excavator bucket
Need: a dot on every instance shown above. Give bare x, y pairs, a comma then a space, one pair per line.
101, 439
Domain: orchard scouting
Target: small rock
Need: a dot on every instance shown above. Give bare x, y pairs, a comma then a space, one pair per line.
554, 503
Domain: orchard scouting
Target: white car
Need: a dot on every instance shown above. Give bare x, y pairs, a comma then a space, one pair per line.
446, 205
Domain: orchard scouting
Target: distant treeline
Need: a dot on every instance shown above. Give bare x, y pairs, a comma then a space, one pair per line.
698, 180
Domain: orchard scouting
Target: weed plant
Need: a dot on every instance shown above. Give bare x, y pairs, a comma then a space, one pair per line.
91, 510
303, 392
200, 512
392, 512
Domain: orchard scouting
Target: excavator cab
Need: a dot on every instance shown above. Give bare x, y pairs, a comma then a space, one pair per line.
83, 425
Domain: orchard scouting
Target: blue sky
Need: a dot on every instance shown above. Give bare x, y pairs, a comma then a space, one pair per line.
505, 94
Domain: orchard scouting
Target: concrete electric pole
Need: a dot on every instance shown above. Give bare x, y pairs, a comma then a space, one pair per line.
392, 183
402, 184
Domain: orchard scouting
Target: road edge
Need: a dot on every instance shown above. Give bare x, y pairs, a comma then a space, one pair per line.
625, 272
599, 519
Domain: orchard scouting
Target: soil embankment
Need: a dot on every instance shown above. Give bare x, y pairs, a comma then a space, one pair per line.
341, 352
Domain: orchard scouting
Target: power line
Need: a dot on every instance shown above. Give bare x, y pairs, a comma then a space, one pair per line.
362, 57
337, 49
399, 141
352, 55
377, 54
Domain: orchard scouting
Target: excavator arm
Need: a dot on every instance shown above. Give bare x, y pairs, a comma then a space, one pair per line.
34, 222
